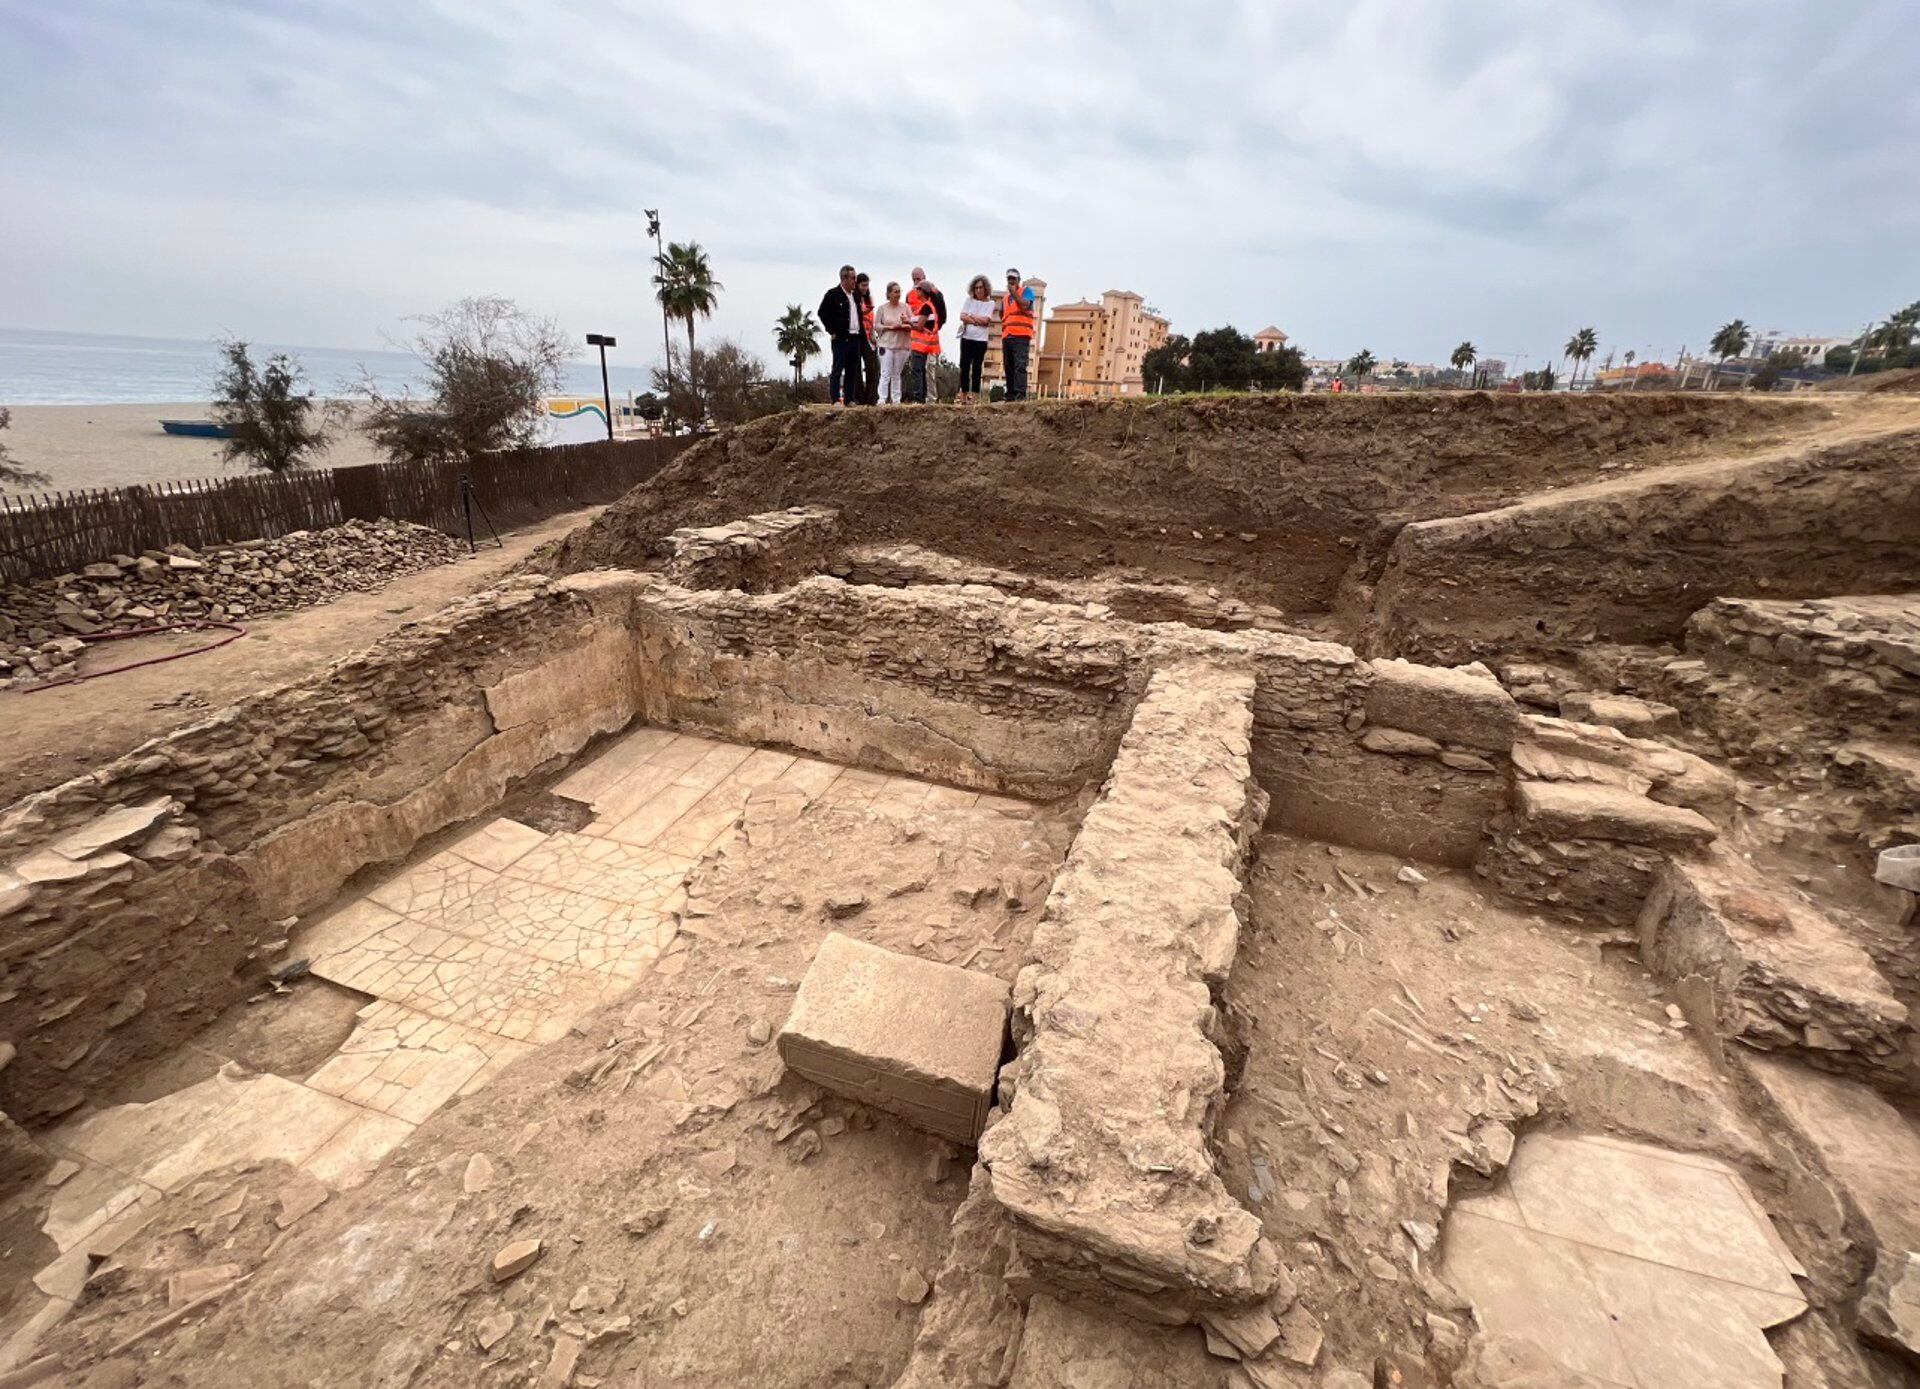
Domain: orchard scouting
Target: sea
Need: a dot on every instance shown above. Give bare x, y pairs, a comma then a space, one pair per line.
39, 367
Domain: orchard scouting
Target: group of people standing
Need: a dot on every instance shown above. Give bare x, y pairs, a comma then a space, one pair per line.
883, 353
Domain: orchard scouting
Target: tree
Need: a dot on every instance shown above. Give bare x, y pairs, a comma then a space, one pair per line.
489, 368
1902, 326
270, 423
1221, 359
798, 337
10, 471
1163, 369
683, 283
1580, 347
1463, 358
1360, 364
1731, 340
725, 385
1541, 380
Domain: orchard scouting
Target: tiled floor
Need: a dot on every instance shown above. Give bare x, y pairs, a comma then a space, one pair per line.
1641, 1267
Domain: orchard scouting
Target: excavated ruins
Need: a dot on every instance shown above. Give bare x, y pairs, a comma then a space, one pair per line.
1283, 891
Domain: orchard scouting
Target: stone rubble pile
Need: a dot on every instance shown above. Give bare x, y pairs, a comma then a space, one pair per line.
44, 623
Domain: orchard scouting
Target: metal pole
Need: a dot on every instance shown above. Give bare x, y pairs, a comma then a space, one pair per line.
606, 391
666, 324
466, 505
1861, 350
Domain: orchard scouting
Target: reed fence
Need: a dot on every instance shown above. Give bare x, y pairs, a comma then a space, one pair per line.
43, 533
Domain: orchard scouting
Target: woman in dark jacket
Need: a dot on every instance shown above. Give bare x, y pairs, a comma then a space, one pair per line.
869, 356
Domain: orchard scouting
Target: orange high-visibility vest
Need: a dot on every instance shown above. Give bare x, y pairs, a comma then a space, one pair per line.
1016, 316
926, 327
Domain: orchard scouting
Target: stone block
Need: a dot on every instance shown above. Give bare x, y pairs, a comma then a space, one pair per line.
1459, 704
917, 1039
1769, 971
1637, 718
1583, 810
116, 827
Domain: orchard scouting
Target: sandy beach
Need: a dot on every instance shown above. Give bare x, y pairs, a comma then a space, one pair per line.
117, 445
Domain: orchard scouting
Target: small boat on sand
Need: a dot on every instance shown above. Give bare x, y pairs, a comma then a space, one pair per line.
197, 429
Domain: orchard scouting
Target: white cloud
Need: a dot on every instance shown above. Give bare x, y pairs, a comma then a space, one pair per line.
1394, 175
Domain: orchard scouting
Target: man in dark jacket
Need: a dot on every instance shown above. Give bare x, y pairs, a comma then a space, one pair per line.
840, 316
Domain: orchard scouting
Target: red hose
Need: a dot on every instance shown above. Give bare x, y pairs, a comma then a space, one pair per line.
233, 627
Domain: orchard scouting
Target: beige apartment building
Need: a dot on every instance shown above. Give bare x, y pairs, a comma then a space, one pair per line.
1096, 349
993, 371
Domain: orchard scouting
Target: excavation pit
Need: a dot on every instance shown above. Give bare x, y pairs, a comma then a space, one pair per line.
1331, 824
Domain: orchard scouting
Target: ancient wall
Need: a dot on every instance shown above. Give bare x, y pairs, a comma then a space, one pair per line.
138, 901
962, 686
1631, 560
1102, 1158
757, 553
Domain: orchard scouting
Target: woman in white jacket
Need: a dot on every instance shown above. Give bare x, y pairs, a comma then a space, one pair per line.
893, 326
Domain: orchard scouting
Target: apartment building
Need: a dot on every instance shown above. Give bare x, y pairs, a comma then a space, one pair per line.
1095, 349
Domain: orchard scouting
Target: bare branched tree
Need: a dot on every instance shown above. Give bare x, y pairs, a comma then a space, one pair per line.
489, 367
10, 471
272, 425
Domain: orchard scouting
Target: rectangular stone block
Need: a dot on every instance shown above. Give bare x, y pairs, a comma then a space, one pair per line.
1460, 704
917, 1039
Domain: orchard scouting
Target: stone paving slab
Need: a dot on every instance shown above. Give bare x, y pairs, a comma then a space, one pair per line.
489, 987
406, 1064
607, 868
1641, 1267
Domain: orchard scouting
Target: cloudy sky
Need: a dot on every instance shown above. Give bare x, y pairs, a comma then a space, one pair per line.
1388, 174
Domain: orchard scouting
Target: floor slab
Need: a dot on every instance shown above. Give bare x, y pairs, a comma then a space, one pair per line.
1670, 1251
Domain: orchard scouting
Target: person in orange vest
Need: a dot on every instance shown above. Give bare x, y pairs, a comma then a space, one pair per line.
1016, 335
929, 308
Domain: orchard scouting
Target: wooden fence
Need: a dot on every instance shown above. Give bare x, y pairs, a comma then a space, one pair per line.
58, 532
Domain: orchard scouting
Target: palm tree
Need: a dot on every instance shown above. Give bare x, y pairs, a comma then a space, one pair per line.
1730, 341
1360, 364
683, 283
1464, 356
1579, 348
797, 336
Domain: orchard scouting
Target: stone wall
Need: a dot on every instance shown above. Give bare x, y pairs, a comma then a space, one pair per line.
141, 899
962, 686
1130, 595
756, 554
1102, 1159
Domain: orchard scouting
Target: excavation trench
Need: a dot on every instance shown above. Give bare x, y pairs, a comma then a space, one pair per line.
487, 938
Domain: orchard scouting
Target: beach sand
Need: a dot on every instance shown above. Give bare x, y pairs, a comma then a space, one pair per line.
117, 445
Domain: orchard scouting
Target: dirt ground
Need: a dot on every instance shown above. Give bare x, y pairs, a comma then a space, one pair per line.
56, 734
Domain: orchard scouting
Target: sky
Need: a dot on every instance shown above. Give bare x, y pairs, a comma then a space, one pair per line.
1395, 175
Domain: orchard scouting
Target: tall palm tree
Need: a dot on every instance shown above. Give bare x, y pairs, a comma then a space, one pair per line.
1464, 356
1579, 348
683, 283
797, 336
1360, 364
1730, 341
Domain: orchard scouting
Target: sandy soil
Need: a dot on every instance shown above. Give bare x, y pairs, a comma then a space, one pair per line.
115, 445
54, 736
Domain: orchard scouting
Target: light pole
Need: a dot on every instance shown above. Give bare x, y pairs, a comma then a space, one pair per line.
603, 342
666, 326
